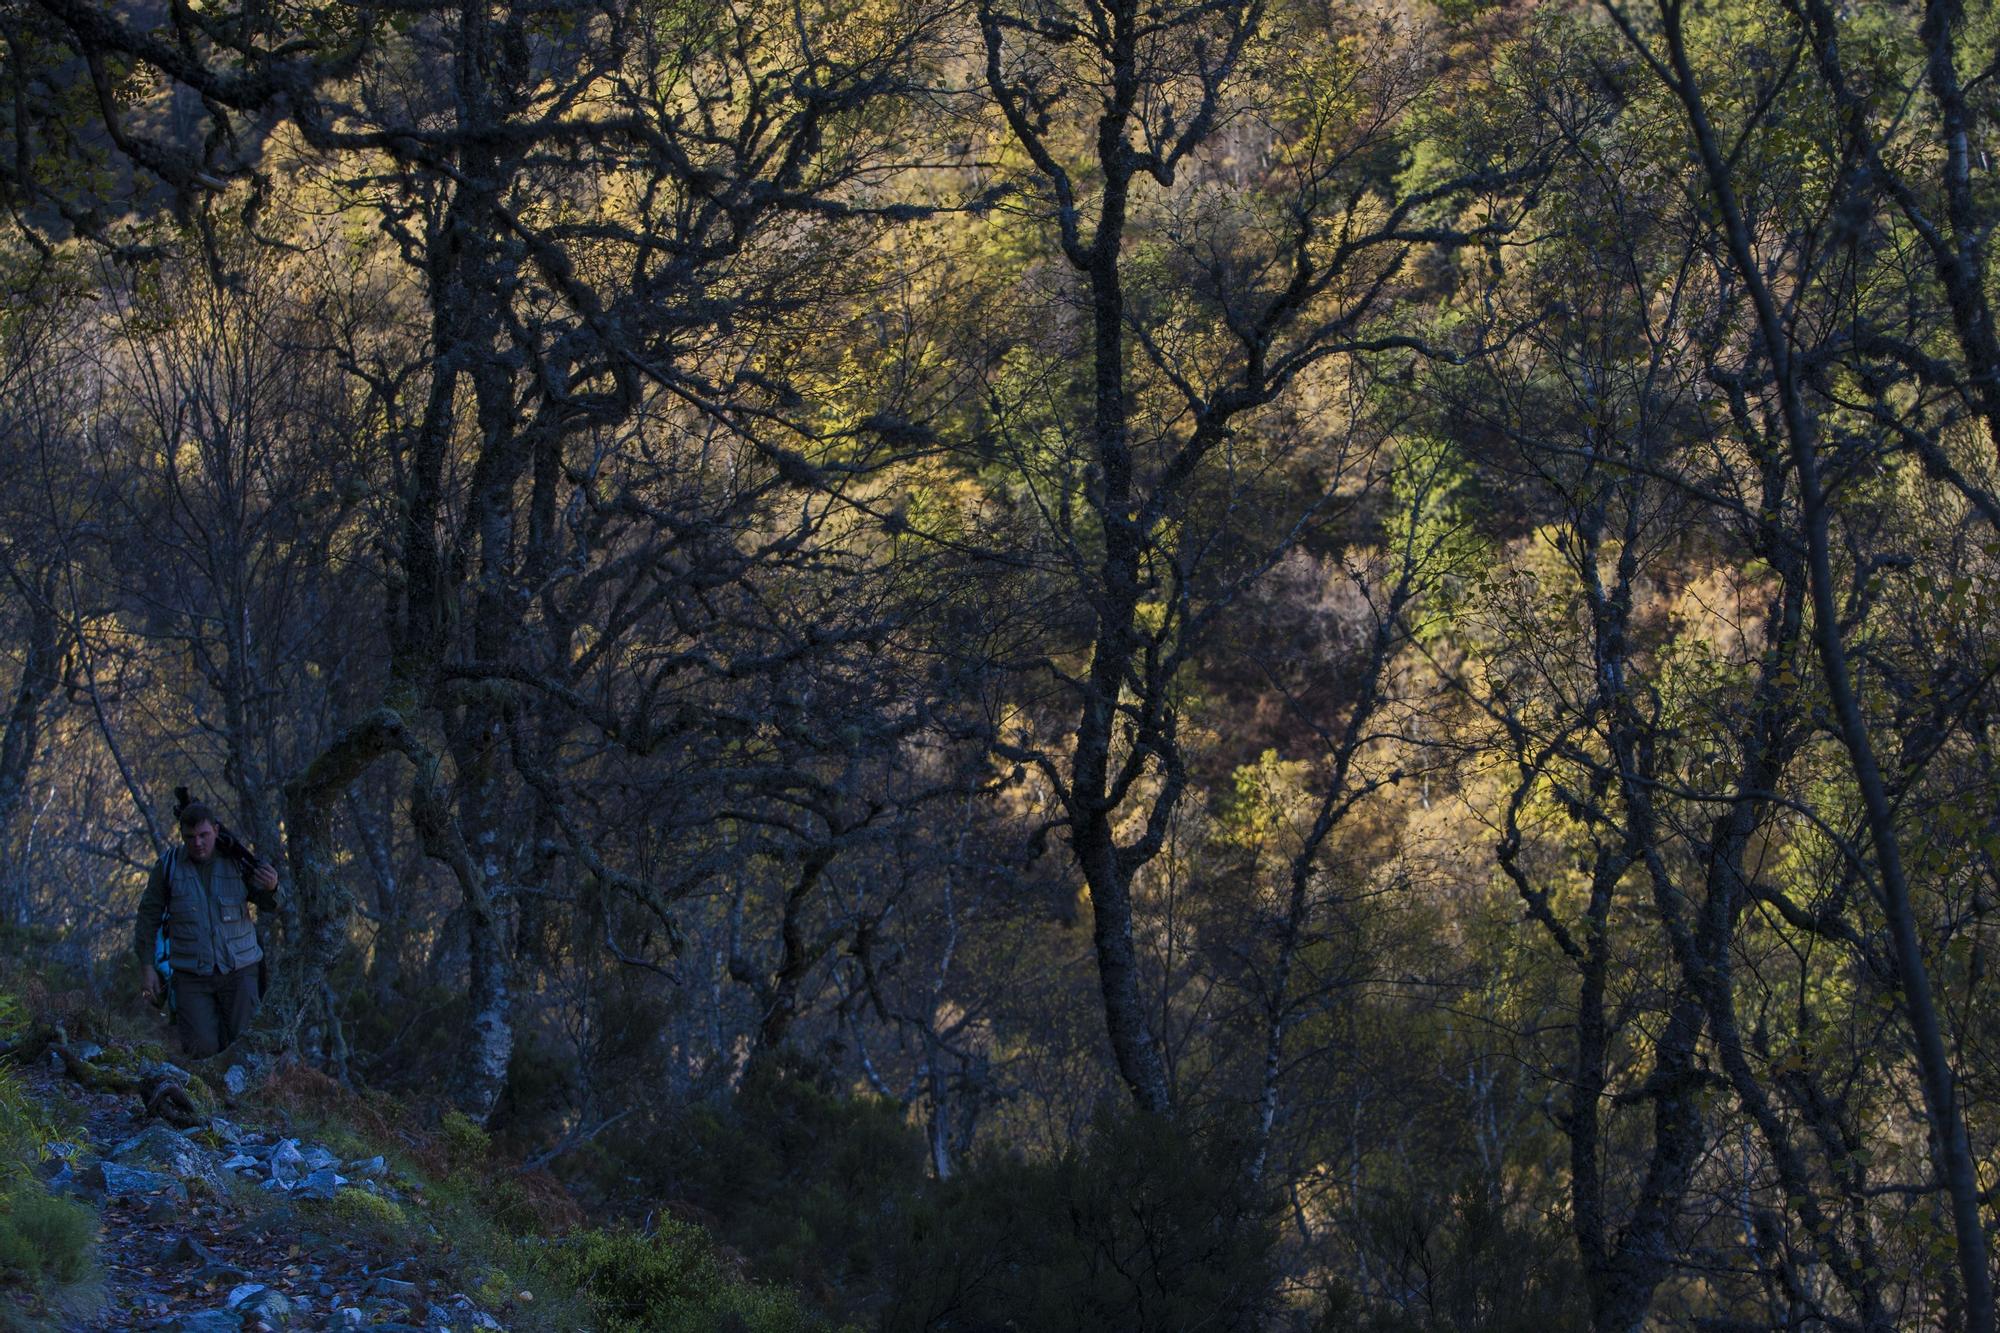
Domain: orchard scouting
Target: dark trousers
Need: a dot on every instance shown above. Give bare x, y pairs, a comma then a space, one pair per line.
211, 1012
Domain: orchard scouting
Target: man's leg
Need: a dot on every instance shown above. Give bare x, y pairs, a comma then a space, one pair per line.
197, 1014
236, 1001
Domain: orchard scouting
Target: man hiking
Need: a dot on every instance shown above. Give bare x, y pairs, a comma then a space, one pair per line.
212, 946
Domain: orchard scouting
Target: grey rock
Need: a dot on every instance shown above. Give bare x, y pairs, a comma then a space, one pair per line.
395, 1289
318, 1158
188, 1250
241, 1161
322, 1184
368, 1166
235, 1079
173, 1153
273, 1307
349, 1317
202, 1321
150, 1140
123, 1181
89, 1050
227, 1130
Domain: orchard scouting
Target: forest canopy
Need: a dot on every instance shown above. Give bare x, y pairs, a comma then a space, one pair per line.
1203, 663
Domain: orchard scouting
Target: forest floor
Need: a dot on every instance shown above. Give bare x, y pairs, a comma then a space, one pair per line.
236, 1225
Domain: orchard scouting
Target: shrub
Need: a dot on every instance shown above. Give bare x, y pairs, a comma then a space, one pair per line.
465, 1140
811, 1183
25, 1130
1148, 1226
672, 1281
1458, 1261
43, 1239
369, 1210
532, 1203
14, 1018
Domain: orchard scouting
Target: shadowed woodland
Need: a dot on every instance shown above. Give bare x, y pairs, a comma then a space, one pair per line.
1209, 664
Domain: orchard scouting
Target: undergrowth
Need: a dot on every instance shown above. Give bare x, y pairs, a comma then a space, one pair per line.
514, 1239
673, 1280
46, 1243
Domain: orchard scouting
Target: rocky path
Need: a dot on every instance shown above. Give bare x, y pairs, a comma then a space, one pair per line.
227, 1228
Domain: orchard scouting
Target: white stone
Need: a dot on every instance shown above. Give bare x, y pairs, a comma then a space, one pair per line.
287, 1162
243, 1292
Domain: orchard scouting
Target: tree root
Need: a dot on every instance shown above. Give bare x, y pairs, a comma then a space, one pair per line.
169, 1101
186, 1105
91, 1074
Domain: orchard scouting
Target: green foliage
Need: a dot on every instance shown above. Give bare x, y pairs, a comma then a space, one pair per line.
43, 1239
671, 1281
465, 1140
1266, 803
1149, 1226
361, 1208
1435, 499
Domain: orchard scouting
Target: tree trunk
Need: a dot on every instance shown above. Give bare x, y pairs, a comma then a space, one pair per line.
1104, 865
317, 909
40, 674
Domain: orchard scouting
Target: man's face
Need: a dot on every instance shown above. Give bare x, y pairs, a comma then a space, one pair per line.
199, 841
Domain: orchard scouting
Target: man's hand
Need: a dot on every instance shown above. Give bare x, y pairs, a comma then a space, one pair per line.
265, 877
149, 982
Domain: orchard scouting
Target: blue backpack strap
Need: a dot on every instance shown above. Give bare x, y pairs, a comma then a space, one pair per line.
162, 949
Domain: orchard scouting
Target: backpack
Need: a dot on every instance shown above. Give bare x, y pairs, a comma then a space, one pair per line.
162, 953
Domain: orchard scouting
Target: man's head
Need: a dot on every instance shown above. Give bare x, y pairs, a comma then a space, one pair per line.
198, 832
